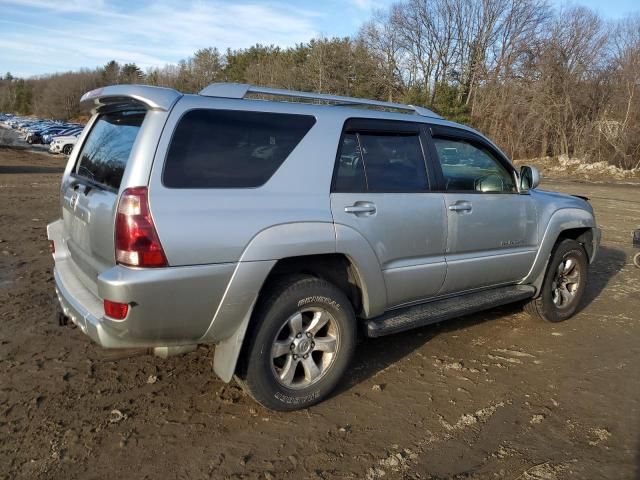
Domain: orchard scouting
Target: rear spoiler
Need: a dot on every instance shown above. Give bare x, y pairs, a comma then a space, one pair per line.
154, 98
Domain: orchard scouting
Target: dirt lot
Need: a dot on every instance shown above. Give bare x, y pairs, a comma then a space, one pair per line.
493, 395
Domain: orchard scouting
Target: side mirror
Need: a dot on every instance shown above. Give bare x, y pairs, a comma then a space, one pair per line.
529, 178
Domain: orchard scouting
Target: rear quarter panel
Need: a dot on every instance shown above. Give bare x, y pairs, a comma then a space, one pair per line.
200, 226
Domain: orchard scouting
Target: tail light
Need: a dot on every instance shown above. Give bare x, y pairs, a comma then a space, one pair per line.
136, 239
115, 310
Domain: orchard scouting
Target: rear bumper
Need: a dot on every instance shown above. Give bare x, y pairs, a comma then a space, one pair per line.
168, 306
84, 309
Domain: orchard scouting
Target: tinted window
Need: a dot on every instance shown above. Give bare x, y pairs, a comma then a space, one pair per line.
467, 167
380, 163
106, 151
350, 175
231, 149
393, 163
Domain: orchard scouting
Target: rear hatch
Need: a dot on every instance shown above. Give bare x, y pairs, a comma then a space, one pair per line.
90, 191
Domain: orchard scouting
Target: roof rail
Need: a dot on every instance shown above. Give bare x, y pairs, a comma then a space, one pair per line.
241, 90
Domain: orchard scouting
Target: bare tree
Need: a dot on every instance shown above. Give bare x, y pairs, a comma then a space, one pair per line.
539, 81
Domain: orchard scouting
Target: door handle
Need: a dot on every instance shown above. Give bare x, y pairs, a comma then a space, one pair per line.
361, 208
461, 206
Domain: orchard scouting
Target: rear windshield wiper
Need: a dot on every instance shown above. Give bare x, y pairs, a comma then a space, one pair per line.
88, 183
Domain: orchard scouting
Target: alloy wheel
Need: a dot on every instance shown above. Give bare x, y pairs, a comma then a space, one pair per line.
305, 347
566, 282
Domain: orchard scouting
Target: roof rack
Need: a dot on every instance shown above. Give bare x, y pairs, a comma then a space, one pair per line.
241, 90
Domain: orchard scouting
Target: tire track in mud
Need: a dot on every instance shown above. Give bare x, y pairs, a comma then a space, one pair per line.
492, 395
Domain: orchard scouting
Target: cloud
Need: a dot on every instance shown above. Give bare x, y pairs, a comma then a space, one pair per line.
87, 33
60, 5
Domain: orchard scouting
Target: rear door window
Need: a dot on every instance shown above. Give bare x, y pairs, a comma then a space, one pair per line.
380, 162
394, 163
231, 148
106, 150
350, 175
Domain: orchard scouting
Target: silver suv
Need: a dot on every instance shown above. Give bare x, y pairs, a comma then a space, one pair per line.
277, 230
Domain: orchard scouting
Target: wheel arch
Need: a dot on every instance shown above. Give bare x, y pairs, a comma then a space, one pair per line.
336, 268
307, 244
312, 250
574, 223
584, 236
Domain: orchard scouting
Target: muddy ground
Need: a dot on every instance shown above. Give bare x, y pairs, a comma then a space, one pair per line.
494, 395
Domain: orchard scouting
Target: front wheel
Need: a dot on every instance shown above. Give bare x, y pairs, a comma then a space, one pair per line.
636, 260
302, 340
67, 149
564, 283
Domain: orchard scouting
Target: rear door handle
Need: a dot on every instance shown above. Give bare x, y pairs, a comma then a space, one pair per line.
461, 206
361, 208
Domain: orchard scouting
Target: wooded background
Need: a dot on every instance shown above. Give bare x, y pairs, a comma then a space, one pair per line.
538, 81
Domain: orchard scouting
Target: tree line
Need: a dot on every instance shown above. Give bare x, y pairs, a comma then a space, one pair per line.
540, 82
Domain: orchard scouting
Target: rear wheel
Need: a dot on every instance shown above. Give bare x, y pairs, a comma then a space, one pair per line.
636, 260
302, 342
564, 283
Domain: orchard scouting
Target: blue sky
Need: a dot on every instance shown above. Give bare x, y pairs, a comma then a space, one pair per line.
45, 36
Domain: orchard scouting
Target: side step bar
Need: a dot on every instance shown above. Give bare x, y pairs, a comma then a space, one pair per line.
436, 311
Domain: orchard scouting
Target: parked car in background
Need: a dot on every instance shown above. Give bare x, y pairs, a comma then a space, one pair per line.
70, 131
43, 131
36, 136
35, 125
63, 144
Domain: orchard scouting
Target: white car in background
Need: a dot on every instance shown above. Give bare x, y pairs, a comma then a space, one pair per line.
63, 144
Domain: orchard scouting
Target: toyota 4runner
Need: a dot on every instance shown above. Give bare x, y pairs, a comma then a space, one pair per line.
277, 230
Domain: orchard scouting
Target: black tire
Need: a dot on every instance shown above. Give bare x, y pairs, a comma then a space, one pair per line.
636, 260
550, 305
29, 140
262, 372
67, 149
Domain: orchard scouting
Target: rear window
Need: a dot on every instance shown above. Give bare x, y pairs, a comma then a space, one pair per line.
106, 150
230, 148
